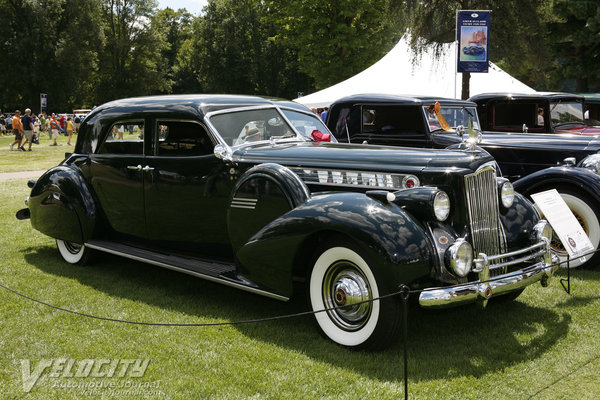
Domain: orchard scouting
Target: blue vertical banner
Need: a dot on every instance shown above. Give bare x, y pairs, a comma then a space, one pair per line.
43, 102
472, 34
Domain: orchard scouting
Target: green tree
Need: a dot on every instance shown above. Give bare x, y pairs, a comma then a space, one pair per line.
177, 28
518, 35
335, 39
129, 64
48, 46
575, 37
231, 51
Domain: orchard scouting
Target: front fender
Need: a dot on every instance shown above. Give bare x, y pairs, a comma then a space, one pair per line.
518, 221
580, 179
396, 245
62, 205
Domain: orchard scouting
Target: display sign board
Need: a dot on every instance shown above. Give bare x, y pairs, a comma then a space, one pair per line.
472, 34
564, 223
43, 102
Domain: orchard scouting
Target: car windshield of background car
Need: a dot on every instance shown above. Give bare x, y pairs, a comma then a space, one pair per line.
305, 124
454, 116
564, 112
239, 127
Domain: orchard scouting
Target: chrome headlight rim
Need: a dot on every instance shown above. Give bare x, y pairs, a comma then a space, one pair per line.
441, 205
460, 257
507, 194
591, 162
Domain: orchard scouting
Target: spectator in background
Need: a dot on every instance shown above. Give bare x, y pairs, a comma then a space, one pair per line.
77, 123
8, 123
3, 124
42, 124
27, 124
324, 114
69, 130
63, 124
54, 128
540, 117
17, 130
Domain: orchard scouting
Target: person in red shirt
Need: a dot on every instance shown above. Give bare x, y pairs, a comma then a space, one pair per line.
54, 127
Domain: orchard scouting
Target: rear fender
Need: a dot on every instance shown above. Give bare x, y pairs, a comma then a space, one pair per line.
396, 246
62, 205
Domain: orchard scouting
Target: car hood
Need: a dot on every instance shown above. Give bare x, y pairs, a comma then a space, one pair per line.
361, 157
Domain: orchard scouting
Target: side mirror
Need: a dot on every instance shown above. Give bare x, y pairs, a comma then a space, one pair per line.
223, 152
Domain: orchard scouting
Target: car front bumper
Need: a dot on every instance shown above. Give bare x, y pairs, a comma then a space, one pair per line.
487, 287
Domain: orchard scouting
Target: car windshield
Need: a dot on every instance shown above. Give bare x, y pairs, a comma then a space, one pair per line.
454, 116
239, 127
566, 112
306, 124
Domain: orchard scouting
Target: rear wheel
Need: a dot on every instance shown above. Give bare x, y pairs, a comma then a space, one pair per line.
342, 278
73, 253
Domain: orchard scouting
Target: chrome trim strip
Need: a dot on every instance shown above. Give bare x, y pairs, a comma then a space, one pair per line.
490, 259
242, 206
478, 290
187, 271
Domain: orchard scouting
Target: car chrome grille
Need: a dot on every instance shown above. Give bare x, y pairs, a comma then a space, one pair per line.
484, 215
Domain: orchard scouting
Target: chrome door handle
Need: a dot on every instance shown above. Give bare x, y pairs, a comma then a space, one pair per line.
135, 167
147, 168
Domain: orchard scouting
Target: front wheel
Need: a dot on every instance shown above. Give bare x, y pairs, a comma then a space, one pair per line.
73, 253
341, 277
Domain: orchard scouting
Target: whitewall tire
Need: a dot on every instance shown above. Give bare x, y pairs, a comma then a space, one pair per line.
341, 277
72, 253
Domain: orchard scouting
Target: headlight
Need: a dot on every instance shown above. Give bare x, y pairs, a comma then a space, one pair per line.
592, 162
441, 206
507, 194
460, 257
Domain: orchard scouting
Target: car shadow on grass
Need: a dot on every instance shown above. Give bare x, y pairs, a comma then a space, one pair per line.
464, 341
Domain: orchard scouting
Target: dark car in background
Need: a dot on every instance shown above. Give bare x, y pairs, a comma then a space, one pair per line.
232, 189
560, 154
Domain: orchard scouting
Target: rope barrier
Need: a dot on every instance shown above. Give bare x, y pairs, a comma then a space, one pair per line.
404, 292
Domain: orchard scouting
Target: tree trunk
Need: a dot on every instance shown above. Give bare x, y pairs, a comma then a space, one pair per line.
466, 77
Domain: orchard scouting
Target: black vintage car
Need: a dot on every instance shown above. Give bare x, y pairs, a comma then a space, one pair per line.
531, 154
236, 190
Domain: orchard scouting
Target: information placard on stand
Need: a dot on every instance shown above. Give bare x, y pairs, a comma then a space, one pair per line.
564, 223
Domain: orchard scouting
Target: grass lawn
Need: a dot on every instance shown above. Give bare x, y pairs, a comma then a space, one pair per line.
545, 345
42, 156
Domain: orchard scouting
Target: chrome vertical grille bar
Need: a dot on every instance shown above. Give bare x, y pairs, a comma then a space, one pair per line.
484, 216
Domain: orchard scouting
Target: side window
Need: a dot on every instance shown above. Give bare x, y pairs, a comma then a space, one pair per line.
397, 120
183, 138
511, 116
126, 137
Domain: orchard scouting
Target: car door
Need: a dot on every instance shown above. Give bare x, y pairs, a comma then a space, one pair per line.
187, 190
116, 174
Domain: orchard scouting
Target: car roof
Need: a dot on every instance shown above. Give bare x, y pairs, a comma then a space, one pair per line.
199, 104
526, 96
401, 100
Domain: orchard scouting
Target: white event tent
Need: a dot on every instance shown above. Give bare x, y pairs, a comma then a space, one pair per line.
402, 72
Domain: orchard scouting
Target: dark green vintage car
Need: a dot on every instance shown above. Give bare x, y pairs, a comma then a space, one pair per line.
244, 191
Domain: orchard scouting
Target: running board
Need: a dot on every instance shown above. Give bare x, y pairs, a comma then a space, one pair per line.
210, 271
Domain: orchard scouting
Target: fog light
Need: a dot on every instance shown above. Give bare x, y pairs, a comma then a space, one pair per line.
441, 206
460, 257
507, 194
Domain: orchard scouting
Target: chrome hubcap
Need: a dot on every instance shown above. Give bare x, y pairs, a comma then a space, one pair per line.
72, 248
345, 286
